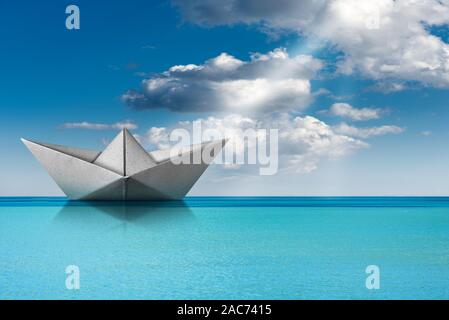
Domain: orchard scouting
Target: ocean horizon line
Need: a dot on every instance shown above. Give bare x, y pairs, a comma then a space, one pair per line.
245, 201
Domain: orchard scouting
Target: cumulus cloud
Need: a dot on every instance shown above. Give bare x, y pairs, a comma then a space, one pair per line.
265, 83
307, 140
382, 40
352, 131
345, 110
303, 141
100, 126
159, 137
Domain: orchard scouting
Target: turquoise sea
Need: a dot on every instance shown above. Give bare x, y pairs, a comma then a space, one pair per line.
226, 248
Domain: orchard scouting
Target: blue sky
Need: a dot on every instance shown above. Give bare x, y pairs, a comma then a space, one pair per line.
51, 76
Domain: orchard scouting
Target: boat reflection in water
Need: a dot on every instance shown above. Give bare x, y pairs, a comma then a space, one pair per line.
140, 213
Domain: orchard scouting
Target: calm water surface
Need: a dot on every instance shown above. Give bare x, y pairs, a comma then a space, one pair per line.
225, 248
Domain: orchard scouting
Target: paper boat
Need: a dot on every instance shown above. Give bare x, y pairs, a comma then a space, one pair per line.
124, 170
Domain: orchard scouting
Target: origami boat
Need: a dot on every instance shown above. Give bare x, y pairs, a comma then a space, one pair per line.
124, 170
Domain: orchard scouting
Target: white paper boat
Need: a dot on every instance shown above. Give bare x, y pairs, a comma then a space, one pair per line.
124, 170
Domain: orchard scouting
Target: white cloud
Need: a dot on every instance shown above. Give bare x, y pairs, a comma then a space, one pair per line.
307, 140
100, 126
265, 83
159, 137
391, 86
352, 131
345, 110
303, 141
382, 40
